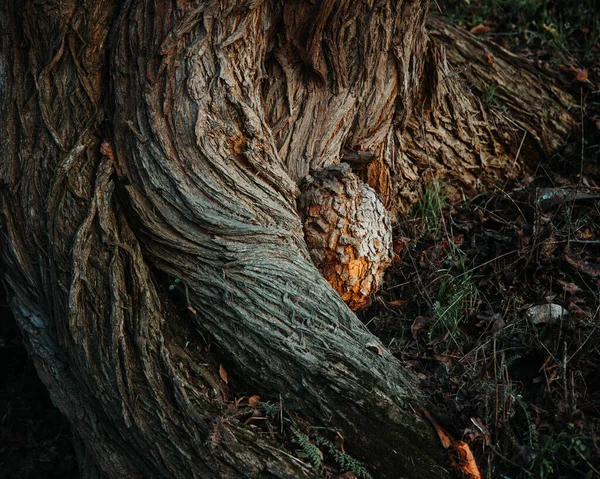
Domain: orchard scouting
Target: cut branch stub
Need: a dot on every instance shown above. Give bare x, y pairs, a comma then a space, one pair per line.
348, 232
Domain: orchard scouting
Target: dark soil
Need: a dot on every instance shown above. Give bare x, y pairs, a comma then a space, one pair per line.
524, 393
35, 439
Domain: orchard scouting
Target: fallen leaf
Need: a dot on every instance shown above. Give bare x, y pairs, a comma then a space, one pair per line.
418, 324
584, 267
445, 438
440, 338
397, 303
498, 324
399, 245
465, 466
339, 441
570, 288
483, 431
480, 30
254, 401
223, 374
582, 76
253, 419
458, 240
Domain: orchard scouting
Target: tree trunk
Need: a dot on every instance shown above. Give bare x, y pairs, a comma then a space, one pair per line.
151, 141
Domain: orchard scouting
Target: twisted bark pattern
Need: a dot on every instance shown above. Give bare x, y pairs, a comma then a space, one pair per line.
216, 213
484, 115
138, 140
151, 140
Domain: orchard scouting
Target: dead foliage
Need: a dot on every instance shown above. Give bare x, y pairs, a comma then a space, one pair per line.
458, 308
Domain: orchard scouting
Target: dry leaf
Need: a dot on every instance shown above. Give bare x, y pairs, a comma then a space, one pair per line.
498, 324
254, 401
397, 303
465, 466
418, 324
582, 266
582, 76
339, 441
443, 435
480, 30
483, 431
223, 374
440, 338
399, 245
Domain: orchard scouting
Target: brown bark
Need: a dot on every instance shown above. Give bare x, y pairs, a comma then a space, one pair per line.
484, 115
153, 140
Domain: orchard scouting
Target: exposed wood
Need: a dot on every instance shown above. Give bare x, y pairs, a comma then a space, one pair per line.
348, 232
155, 140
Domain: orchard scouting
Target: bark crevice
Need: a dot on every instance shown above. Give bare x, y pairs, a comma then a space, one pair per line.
155, 140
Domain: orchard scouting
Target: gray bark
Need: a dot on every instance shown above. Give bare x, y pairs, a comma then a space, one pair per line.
153, 140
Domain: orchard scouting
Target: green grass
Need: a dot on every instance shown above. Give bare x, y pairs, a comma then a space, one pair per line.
456, 298
429, 209
457, 293
567, 452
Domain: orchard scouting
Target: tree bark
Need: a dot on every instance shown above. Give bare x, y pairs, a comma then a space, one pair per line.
155, 140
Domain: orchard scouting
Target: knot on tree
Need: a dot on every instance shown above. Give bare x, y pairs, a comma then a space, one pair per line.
348, 232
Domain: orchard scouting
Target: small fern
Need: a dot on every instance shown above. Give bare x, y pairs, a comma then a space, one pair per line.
308, 449
271, 410
345, 461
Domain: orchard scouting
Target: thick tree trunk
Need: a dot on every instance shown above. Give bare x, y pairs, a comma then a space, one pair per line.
153, 140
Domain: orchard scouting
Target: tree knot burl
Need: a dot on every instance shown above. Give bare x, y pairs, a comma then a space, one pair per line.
348, 232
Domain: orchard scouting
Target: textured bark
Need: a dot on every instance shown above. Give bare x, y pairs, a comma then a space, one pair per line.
152, 140
456, 136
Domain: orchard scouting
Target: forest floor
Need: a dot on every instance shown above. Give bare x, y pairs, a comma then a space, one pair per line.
493, 301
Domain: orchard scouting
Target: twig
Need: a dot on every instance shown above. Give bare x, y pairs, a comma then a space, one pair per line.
588, 338
281, 412
496, 384
586, 461
518, 153
565, 378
